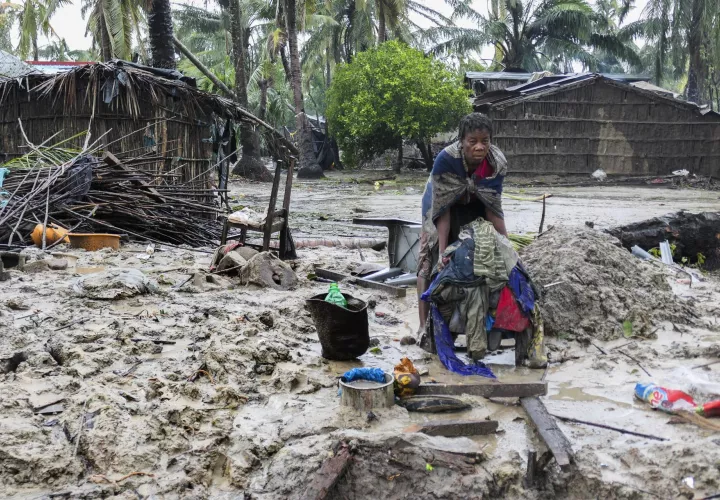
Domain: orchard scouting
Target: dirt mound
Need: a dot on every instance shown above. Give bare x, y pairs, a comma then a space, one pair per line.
604, 291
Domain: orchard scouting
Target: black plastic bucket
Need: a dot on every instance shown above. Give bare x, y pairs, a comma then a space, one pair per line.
343, 333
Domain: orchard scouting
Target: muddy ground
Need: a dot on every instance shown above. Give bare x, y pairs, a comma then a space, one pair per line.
219, 391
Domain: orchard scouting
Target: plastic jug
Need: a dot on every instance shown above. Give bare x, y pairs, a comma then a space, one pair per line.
335, 297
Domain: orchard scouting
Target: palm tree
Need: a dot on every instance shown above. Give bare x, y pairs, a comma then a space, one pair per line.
685, 31
534, 34
160, 32
34, 20
250, 164
309, 167
112, 24
241, 28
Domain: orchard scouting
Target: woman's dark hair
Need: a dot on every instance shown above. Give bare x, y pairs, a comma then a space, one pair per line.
475, 121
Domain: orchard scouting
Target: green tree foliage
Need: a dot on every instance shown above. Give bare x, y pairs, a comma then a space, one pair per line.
538, 34
113, 24
34, 20
686, 34
392, 93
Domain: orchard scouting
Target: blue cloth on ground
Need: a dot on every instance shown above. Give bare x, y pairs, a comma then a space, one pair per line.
372, 374
445, 347
519, 283
489, 322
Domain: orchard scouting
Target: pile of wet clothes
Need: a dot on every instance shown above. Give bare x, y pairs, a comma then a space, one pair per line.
484, 293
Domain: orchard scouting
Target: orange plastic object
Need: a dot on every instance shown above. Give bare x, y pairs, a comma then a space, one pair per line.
94, 241
52, 234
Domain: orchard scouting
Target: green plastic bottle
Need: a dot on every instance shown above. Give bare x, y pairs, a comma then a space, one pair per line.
335, 297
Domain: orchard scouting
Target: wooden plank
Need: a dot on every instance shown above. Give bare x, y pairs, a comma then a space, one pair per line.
325, 479
333, 275
454, 428
550, 433
287, 245
268, 231
112, 160
488, 390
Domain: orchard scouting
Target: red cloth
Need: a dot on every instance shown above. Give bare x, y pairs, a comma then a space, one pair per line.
484, 170
509, 316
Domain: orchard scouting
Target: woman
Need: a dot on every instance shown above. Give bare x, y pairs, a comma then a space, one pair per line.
465, 183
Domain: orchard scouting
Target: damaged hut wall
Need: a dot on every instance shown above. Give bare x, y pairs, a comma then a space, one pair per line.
176, 147
608, 126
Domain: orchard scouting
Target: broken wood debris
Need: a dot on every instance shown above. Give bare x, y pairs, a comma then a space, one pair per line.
637, 362
327, 477
454, 428
609, 427
155, 341
550, 433
78, 190
488, 390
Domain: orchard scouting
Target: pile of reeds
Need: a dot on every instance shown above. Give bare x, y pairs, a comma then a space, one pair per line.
83, 193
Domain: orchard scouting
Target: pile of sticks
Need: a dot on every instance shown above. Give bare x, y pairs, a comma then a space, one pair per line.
87, 194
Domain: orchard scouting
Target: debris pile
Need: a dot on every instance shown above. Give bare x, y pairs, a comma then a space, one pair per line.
83, 193
594, 288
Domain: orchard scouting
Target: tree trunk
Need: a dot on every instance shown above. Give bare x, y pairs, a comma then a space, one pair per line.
160, 32
285, 63
105, 44
264, 85
696, 73
692, 234
250, 164
426, 153
328, 74
309, 168
382, 31
36, 56
399, 162
203, 69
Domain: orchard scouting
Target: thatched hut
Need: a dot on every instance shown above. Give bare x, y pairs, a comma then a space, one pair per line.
580, 123
132, 110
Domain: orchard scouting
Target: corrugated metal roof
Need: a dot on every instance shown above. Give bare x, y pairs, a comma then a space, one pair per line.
54, 67
523, 77
551, 85
12, 67
497, 75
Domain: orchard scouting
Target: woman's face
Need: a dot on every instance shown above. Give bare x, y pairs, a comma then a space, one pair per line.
475, 146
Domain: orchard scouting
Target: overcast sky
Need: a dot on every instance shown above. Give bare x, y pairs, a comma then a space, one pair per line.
69, 24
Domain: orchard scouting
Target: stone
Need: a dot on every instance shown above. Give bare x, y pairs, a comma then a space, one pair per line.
232, 262
247, 252
57, 264
36, 266
267, 319
266, 270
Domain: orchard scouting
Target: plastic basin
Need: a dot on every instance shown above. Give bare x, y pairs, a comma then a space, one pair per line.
94, 241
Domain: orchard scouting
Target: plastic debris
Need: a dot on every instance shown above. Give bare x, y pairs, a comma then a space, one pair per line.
335, 297
372, 374
115, 284
599, 174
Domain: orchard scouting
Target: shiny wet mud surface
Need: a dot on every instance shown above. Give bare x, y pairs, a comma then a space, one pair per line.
240, 405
